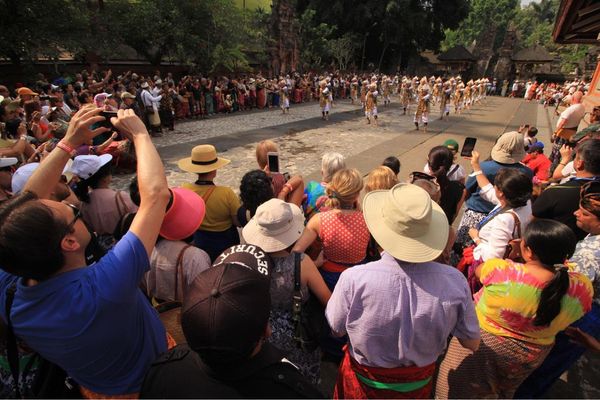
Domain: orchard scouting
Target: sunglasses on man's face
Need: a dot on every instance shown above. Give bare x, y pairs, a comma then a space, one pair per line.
76, 215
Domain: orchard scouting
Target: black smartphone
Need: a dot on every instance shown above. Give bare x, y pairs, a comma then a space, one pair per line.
468, 147
273, 160
107, 116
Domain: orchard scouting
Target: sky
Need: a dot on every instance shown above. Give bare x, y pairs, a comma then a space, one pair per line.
525, 2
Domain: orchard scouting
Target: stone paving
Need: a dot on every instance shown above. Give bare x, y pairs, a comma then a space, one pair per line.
300, 152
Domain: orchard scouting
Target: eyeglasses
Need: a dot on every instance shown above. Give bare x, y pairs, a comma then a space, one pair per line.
416, 175
76, 216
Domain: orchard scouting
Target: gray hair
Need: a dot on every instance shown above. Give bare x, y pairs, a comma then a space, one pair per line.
331, 163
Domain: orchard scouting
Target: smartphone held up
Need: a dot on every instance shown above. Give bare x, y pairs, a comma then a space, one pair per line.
468, 147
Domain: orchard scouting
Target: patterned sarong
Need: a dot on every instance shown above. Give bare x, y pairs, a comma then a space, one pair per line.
495, 370
356, 381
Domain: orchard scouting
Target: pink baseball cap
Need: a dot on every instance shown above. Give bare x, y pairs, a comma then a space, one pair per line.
185, 215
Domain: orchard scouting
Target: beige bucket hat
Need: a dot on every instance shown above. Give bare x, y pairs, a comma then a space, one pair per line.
406, 223
204, 159
275, 226
509, 149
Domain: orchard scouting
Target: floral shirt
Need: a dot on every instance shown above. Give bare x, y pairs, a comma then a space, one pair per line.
586, 260
508, 301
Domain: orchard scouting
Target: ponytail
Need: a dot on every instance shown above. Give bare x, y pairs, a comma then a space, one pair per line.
552, 243
440, 161
552, 294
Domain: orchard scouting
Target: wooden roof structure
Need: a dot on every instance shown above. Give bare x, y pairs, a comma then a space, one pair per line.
534, 54
578, 21
456, 54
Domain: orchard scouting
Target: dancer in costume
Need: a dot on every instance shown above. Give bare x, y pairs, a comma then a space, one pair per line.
405, 94
324, 102
354, 90
446, 94
371, 104
284, 96
423, 106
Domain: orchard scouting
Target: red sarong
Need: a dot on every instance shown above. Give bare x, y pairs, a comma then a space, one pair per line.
351, 376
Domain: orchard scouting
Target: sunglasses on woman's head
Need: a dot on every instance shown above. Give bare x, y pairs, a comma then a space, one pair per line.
416, 175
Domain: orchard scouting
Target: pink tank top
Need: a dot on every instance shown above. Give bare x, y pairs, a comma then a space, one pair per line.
345, 236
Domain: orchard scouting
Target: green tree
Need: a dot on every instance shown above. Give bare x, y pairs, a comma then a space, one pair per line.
482, 15
343, 49
315, 38
29, 30
389, 30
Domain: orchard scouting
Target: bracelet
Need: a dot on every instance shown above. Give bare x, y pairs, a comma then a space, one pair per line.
476, 173
65, 147
563, 164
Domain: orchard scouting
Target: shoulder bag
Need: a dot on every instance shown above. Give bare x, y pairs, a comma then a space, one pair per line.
308, 318
513, 248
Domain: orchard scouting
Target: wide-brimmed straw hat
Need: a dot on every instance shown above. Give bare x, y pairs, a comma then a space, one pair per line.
275, 226
509, 149
406, 223
204, 159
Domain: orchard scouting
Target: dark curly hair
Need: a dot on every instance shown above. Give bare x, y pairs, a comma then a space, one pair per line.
255, 189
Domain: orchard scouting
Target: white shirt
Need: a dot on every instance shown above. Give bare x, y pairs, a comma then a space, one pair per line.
573, 115
456, 173
496, 234
568, 172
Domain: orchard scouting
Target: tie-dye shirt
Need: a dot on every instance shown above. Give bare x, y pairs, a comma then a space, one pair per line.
508, 301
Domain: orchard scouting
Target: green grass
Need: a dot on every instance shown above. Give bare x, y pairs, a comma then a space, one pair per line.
253, 4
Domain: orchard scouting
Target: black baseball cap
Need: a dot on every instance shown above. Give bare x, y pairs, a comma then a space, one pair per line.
226, 309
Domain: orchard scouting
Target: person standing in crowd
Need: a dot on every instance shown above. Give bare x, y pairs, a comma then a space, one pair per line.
585, 260
392, 163
537, 161
219, 227
520, 308
314, 192
453, 193
392, 351
566, 127
101, 207
341, 229
128, 102
286, 188
506, 153
150, 103
225, 319
456, 171
380, 178
559, 202
107, 338
255, 189
275, 228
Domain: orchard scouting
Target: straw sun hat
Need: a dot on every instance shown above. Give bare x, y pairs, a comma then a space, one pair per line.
204, 159
406, 223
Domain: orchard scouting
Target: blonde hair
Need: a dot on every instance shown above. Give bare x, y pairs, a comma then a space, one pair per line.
344, 188
262, 148
331, 163
381, 178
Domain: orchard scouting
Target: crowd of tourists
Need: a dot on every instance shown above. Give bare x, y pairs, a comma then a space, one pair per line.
196, 291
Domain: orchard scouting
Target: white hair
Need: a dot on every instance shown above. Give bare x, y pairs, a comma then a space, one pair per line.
331, 163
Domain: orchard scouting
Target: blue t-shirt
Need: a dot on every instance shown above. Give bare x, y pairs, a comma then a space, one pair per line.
490, 169
94, 322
